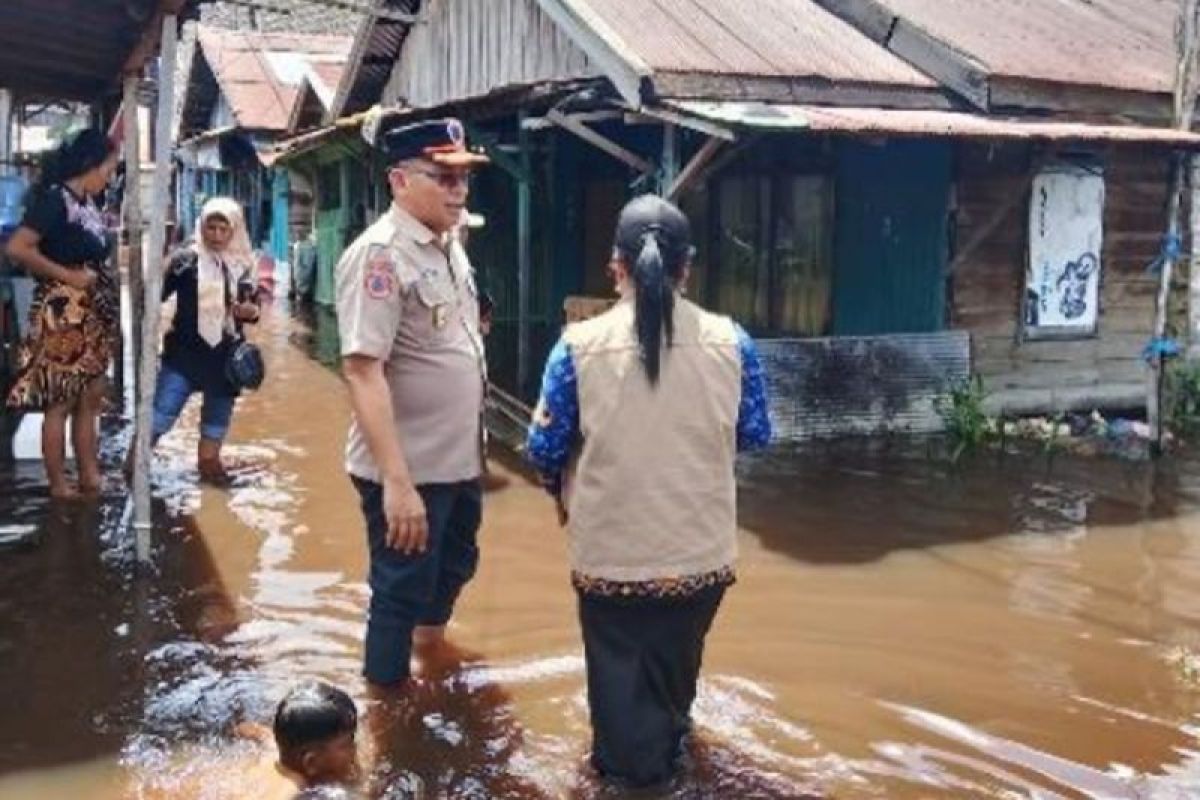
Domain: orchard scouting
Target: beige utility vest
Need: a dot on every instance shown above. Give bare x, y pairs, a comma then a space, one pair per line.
653, 492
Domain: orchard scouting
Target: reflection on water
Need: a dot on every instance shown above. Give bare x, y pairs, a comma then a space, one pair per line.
1010, 627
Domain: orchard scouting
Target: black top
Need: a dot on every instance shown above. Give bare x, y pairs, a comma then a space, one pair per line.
71, 227
184, 350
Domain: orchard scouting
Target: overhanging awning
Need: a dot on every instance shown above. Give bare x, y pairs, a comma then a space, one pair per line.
78, 49
910, 122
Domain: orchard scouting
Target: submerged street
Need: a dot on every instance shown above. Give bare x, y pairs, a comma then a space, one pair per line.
1010, 626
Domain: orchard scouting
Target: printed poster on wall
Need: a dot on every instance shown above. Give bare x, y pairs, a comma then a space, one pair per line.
1066, 232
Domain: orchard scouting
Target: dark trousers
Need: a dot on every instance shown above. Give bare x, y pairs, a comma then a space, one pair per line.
643, 660
419, 588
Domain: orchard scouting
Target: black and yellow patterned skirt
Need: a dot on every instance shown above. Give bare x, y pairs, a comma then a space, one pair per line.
72, 336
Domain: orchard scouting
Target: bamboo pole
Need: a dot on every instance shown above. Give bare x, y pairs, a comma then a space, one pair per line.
148, 367
1193, 350
1186, 43
524, 256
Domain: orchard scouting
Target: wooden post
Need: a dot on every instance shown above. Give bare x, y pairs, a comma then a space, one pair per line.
6, 130
1194, 266
153, 288
694, 167
670, 159
133, 210
1185, 106
524, 256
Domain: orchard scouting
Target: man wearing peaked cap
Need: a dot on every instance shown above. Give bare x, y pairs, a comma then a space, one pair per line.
442, 141
408, 316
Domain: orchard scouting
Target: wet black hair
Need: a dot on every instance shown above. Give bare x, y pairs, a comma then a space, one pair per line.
311, 714
79, 154
654, 239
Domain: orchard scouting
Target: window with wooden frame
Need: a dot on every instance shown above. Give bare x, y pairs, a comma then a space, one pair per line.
770, 247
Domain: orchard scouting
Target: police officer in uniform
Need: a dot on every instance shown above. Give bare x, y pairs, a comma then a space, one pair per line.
408, 316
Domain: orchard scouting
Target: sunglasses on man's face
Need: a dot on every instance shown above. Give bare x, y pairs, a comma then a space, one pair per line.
447, 179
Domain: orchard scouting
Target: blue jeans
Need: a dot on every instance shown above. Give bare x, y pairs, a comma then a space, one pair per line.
421, 588
171, 394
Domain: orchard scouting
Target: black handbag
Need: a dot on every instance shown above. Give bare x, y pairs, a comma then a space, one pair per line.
244, 366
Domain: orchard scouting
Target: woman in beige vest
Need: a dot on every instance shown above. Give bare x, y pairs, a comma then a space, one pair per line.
642, 413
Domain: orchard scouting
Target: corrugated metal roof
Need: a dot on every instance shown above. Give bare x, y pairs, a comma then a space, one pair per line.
376, 48
251, 70
1119, 44
906, 122
311, 140
765, 38
75, 49
291, 16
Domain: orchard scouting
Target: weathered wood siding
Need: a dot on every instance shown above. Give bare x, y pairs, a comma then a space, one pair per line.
1102, 371
470, 48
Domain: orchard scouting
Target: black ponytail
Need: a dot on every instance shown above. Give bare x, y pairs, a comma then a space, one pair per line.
654, 306
654, 240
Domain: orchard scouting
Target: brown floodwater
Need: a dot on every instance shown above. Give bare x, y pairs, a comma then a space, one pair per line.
1011, 626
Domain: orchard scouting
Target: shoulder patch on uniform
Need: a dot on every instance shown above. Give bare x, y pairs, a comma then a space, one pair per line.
380, 278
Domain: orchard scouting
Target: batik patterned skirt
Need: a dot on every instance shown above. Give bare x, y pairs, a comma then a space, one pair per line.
72, 336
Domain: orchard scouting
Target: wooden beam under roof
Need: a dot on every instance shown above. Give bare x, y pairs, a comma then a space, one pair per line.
953, 69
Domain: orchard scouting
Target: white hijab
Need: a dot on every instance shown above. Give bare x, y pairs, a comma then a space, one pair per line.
220, 271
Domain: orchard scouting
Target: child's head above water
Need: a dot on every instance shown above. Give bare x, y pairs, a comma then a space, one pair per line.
314, 730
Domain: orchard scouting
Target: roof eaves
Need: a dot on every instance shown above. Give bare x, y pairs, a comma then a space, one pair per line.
296, 146
628, 72
362, 39
302, 92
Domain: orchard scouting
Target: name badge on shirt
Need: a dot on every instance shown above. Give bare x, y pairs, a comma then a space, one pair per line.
441, 314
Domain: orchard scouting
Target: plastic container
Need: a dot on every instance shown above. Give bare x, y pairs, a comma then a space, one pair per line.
12, 197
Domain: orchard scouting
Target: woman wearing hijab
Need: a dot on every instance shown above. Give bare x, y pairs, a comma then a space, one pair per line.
213, 285
642, 412
62, 241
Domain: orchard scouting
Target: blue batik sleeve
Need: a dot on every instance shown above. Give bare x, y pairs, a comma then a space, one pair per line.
754, 419
555, 425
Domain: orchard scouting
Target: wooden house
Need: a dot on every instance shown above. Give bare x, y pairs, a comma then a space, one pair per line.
246, 90
888, 195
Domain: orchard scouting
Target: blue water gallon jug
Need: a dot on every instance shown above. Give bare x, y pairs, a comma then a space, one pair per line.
12, 195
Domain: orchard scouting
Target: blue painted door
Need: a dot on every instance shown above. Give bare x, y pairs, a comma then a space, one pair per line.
892, 205
279, 216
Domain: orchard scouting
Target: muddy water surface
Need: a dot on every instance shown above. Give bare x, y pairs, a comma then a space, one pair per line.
1010, 627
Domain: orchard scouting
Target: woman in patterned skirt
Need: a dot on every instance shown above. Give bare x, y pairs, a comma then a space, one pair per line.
73, 325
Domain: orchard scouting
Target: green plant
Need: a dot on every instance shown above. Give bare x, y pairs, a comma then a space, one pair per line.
1183, 399
1057, 422
961, 410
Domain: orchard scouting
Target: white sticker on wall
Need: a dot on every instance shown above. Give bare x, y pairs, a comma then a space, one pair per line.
1066, 235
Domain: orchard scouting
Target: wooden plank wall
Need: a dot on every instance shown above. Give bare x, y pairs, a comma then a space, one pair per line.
1104, 371
470, 48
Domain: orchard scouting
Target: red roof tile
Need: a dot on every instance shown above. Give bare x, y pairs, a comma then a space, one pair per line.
259, 74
